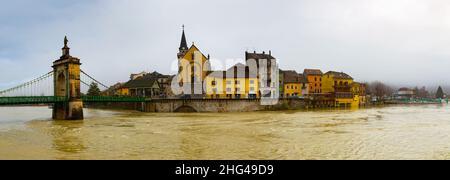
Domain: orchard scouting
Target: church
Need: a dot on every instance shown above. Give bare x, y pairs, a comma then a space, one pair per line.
193, 67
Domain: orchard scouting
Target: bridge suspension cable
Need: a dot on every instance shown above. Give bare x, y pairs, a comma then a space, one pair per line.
41, 86
94, 80
87, 80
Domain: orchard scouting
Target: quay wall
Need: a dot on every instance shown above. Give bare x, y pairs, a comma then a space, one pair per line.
219, 105
210, 105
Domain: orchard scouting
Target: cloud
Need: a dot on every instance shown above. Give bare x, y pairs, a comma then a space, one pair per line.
404, 41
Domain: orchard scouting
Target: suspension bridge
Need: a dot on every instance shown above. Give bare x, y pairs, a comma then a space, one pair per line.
62, 88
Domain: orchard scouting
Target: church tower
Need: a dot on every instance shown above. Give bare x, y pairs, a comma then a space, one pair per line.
193, 67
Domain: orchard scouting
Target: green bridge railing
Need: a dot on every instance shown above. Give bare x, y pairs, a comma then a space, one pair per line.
58, 99
420, 100
31, 100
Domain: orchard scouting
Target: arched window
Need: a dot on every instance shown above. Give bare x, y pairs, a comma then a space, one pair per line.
61, 84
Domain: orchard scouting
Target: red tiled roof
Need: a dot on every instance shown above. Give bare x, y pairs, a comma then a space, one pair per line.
339, 75
308, 72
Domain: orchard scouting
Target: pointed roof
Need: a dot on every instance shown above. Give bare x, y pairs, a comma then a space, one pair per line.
194, 48
183, 43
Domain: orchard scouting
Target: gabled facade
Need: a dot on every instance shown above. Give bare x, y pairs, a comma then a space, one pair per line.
314, 78
295, 84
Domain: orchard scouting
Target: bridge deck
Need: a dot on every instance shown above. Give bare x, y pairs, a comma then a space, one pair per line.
56, 99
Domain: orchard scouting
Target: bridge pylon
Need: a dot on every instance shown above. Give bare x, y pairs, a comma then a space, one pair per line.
66, 80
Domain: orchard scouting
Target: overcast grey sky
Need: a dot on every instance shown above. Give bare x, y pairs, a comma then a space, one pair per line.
397, 41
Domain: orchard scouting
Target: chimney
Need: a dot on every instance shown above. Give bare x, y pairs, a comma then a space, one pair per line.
264, 52
270, 52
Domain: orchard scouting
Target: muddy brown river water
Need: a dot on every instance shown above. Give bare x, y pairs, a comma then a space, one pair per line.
396, 132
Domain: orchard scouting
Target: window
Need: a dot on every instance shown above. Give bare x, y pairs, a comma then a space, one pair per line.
252, 81
287, 87
237, 82
213, 83
195, 79
228, 89
252, 88
315, 79
214, 90
228, 82
238, 89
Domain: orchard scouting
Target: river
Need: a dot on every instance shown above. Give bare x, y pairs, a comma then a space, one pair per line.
394, 132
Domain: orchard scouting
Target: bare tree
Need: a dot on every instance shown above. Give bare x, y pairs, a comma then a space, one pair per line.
423, 93
380, 90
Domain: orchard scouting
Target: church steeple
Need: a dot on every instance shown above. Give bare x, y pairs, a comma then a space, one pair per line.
183, 44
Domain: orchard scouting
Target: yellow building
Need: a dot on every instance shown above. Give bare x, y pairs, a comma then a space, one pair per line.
295, 85
122, 91
359, 93
341, 85
314, 78
331, 79
235, 83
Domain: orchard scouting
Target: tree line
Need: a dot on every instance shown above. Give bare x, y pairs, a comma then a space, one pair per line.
382, 91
